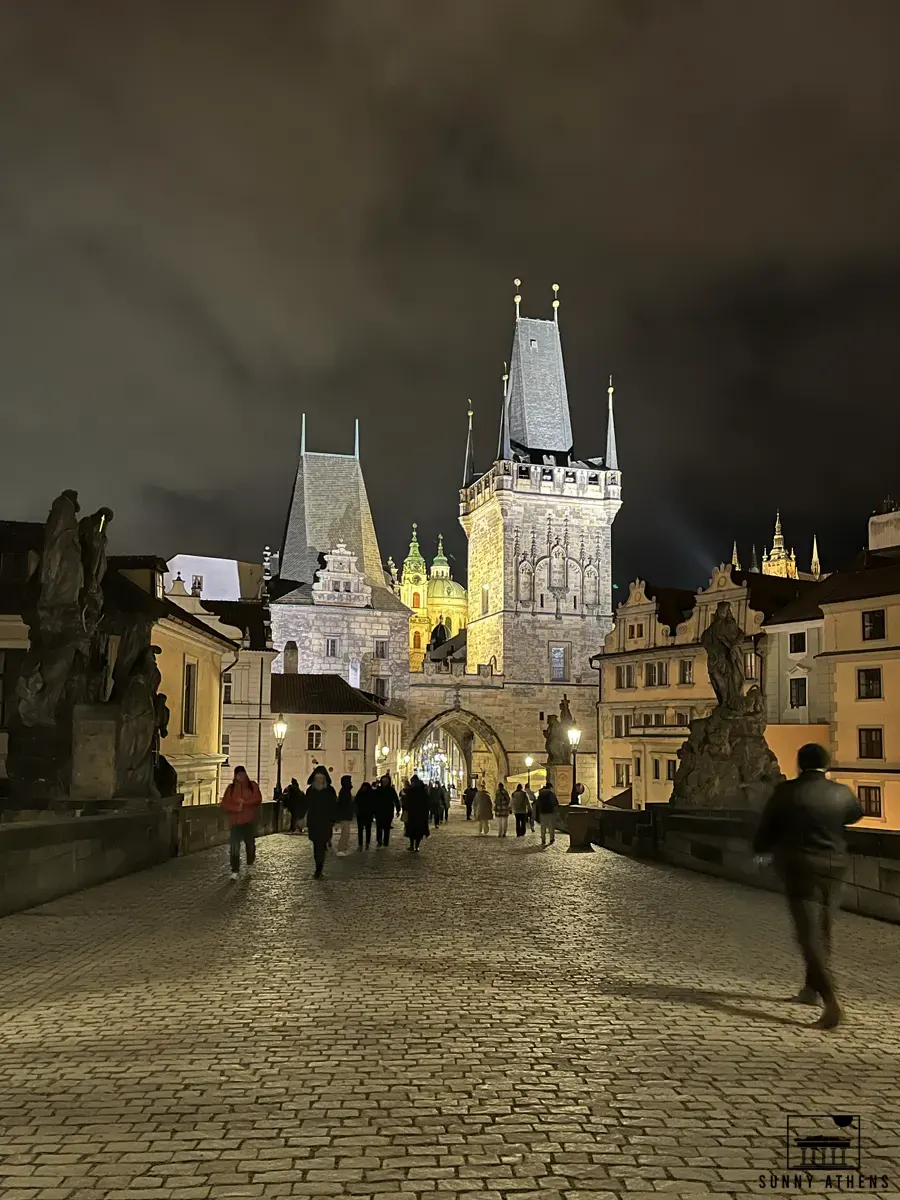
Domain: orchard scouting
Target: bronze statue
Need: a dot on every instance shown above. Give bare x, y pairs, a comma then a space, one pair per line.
722, 641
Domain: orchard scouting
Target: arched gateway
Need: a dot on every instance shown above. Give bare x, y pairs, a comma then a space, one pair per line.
480, 746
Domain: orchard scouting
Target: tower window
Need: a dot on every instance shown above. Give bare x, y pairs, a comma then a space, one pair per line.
873, 625
417, 640
417, 600
534, 343
291, 658
485, 599
332, 647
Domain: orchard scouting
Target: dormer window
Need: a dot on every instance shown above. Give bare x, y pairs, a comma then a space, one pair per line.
534, 343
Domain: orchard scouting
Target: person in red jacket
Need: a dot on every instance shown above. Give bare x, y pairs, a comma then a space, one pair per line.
241, 801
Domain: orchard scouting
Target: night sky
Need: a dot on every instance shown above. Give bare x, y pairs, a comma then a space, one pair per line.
215, 215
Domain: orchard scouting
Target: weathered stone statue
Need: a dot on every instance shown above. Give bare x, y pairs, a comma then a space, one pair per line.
726, 761
559, 752
139, 728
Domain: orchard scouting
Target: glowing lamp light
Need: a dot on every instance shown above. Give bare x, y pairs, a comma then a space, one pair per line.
529, 762
280, 731
574, 738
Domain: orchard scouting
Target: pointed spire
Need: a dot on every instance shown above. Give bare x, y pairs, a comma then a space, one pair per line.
556, 302
356, 440
778, 550
440, 567
517, 298
612, 457
469, 465
815, 567
303, 434
735, 561
754, 562
504, 451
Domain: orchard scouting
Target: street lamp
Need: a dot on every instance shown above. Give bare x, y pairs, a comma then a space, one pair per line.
574, 739
280, 731
529, 763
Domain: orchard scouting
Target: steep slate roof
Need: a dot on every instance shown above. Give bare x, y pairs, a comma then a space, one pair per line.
329, 504
538, 400
877, 580
768, 593
250, 616
324, 695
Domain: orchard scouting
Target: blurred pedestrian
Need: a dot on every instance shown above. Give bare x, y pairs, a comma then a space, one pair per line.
546, 806
293, 798
469, 800
346, 811
418, 810
483, 810
502, 808
532, 805
521, 809
365, 813
320, 815
386, 804
802, 827
435, 804
241, 801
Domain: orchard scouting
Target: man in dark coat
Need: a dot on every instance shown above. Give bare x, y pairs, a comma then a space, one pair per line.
469, 800
547, 805
387, 802
365, 813
802, 827
418, 809
435, 803
293, 798
320, 815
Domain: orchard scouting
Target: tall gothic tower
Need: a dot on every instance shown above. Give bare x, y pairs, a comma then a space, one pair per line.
539, 525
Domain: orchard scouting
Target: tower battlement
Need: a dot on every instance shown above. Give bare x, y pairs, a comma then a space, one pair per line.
578, 482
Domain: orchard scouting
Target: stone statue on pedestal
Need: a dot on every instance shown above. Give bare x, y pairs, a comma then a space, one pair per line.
139, 728
726, 761
556, 736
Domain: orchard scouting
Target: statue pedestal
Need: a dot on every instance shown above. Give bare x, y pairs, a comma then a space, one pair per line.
94, 729
560, 776
580, 820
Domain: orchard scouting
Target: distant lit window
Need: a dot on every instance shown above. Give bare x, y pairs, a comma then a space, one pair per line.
868, 683
559, 664
623, 774
798, 692
226, 745
314, 737
751, 665
686, 671
870, 799
351, 737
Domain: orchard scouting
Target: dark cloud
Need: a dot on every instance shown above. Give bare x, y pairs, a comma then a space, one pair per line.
216, 215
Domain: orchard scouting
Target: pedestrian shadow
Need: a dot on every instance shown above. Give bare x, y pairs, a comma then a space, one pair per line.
706, 998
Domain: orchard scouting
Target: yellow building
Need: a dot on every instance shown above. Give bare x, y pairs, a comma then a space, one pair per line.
654, 679
778, 561
434, 598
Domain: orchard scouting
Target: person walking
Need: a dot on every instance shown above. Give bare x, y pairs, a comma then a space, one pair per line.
418, 809
320, 815
802, 828
386, 803
435, 803
445, 800
469, 800
346, 811
520, 808
532, 803
365, 813
241, 801
546, 807
502, 808
293, 798
483, 810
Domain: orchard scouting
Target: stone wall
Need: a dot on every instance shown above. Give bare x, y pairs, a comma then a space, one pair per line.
720, 843
50, 856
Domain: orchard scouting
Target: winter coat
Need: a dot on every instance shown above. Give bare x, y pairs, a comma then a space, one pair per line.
385, 804
293, 798
365, 802
241, 801
484, 810
345, 806
502, 803
321, 812
520, 802
417, 803
469, 796
546, 803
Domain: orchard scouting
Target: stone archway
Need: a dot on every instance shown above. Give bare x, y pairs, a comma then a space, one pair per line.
481, 747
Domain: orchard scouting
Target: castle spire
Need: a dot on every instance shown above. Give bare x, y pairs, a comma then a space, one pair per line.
814, 566
469, 466
517, 298
504, 451
303, 433
778, 550
440, 567
754, 563
612, 457
735, 561
556, 302
356, 439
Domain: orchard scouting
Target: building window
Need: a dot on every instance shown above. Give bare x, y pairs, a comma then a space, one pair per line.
351, 737
656, 768
226, 746
631, 631
686, 670
381, 648
671, 768
681, 718
417, 600
227, 688
870, 799
625, 676
637, 768
618, 727
314, 737
798, 692
659, 718
486, 600
868, 683
189, 705
354, 672
10, 665
347, 587
751, 664
336, 587
656, 674
639, 629
417, 640
871, 743
559, 664
873, 625
646, 720
797, 643
650, 675
197, 585
626, 724
332, 647
623, 774
382, 687
291, 659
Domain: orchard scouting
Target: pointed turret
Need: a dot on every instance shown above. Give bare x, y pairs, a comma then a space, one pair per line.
612, 456
778, 540
754, 563
414, 563
814, 566
469, 466
537, 403
504, 450
440, 567
735, 561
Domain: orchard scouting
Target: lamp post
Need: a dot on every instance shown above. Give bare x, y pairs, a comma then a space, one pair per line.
280, 731
529, 763
574, 739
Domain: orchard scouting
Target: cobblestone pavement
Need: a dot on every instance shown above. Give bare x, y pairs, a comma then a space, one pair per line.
482, 1017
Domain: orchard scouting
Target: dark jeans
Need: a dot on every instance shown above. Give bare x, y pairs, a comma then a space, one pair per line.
468, 810
382, 832
521, 824
414, 843
320, 845
812, 887
245, 833
364, 826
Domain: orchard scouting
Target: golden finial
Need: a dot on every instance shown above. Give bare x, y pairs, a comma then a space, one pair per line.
517, 299
610, 389
556, 302
470, 409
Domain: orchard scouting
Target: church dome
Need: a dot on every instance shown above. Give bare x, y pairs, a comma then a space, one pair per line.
440, 589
